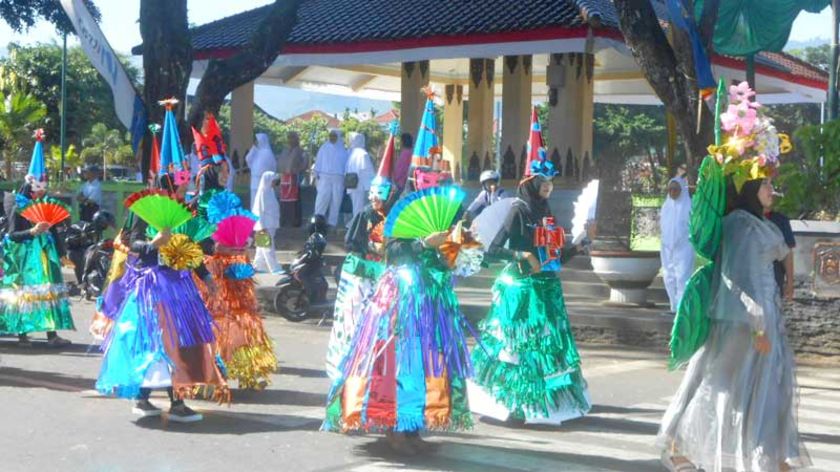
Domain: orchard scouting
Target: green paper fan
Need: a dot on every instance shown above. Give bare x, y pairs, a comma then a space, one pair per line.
424, 212
197, 229
158, 208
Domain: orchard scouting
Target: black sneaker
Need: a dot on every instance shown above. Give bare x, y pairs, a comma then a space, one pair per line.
144, 408
183, 414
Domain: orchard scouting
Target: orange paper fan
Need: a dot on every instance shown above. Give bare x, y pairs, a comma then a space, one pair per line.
46, 210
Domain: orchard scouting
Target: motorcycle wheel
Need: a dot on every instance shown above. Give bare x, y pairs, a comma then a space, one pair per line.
292, 303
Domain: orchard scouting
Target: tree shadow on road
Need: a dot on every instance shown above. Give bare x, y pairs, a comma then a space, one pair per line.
302, 372
591, 422
446, 456
232, 422
40, 348
279, 397
22, 378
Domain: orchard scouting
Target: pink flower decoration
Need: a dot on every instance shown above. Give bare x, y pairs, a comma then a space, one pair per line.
762, 160
741, 92
182, 177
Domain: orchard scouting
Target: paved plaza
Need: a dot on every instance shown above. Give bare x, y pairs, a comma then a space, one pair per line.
53, 419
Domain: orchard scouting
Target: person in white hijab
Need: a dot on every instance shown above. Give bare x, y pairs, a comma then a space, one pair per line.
330, 164
360, 164
267, 208
260, 159
677, 253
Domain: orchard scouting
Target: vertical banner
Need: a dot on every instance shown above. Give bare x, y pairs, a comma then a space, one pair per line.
127, 103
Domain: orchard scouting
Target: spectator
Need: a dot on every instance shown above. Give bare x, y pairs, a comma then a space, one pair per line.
290, 165
677, 253
260, 159
359, 163
330, 164
404, 162
90, 194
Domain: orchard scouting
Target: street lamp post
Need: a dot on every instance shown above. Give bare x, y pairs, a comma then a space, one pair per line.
63, 109
832, 70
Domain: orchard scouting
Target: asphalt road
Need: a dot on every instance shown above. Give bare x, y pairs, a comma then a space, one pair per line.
51, 419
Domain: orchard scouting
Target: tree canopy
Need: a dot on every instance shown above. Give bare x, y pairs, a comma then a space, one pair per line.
21, 15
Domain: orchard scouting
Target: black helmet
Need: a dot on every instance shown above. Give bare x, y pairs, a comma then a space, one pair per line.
316, 243
318, 224
103, 219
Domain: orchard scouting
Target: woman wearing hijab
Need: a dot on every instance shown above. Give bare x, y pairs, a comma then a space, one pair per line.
677, 253
359, 163
527, 365
736, 407
260, 159
290, 164
330, 164
267, 208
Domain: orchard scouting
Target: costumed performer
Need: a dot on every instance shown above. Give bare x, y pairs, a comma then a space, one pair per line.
162, 335
529, 367
363, 265
408, 361
736, 406
241, 340
33, 294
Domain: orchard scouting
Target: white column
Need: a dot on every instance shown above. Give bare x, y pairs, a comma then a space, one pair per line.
415, 76
453, 128
516, 114
570, 115
241, 121
480, 154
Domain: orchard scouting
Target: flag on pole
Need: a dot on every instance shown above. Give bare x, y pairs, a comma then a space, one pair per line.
127, 102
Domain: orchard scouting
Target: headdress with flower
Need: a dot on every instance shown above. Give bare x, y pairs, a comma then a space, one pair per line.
751, 146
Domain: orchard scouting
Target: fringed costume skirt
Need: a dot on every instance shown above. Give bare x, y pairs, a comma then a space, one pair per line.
355, 289
241, 339
527, 365
33, 295
162, 336
408, 362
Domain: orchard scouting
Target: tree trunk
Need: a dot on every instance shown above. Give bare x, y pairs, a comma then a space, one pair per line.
224, 75
167, 60
670, 72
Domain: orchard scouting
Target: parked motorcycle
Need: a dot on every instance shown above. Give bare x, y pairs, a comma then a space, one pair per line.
90, 254
303, 288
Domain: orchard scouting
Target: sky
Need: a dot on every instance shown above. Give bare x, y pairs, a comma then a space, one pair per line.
119, 24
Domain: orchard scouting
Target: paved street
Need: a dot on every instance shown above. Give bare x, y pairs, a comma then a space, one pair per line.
51, 419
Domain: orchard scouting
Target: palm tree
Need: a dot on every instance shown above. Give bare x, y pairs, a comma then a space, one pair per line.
103, 142
20, 115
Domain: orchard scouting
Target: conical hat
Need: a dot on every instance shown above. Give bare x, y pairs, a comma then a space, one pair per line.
37, 174
537, 163
154, 164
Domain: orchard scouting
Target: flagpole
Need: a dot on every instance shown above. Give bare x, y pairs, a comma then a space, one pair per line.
63, 108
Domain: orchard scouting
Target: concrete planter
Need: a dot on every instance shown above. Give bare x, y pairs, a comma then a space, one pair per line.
628, 274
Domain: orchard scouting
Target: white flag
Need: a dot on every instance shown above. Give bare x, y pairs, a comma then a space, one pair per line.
127, 104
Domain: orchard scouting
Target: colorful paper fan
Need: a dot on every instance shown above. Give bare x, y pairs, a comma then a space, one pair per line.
234, 230
45, 210
197, 229
158, 208
424, 212
181, 254
221, 205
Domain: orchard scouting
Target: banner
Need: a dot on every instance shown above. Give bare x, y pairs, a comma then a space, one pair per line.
127, 103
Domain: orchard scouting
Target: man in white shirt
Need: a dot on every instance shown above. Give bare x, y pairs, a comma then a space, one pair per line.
330, 165
90, 194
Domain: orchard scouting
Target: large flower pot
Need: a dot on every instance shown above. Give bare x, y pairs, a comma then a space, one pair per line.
628, 274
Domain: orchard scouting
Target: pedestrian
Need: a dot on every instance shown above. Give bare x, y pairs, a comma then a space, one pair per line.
527, 366
363, 265
260, 159
330, 164
162, 334
403, 164
90, 194
34, 297
360, 165
291, 165
408, 360
783, 270
491, 192
267, 209
677, 253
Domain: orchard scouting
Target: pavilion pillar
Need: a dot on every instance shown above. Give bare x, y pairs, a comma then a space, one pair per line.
480, 153
453, 128
570, 113
415, 76
516, 109
241, 122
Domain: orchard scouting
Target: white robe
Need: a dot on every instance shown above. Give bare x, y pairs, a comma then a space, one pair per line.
359, 163
676, 253
330, 164
267, 207
260, 159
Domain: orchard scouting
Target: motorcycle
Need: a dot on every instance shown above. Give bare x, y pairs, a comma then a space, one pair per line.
303, 288
90, 254
97, 263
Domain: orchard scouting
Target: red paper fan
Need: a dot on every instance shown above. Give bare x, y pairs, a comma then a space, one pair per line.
234, 231
47, 210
